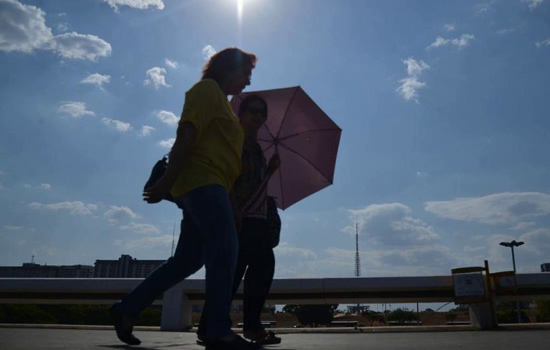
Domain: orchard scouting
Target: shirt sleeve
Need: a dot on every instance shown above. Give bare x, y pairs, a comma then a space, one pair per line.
201, 104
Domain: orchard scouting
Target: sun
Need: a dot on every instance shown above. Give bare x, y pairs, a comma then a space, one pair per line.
240, 5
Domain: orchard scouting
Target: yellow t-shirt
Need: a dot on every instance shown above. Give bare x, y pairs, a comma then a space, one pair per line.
215, 157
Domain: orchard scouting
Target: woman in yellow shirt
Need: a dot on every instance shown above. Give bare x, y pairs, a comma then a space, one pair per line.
204, 163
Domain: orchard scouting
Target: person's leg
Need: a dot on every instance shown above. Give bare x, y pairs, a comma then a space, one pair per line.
188, 259
239, 273
211, 211
259, 276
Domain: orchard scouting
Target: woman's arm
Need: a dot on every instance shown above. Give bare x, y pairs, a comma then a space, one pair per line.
185, 140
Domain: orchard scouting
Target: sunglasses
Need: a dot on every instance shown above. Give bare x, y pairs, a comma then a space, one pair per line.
261, 111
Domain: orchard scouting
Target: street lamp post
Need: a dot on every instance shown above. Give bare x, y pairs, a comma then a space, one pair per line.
511, 245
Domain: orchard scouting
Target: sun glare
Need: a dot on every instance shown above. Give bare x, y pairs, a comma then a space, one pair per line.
240, 9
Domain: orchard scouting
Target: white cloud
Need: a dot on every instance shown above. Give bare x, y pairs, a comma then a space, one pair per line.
27, 186
449, 27
533, 3
13, 228
81, 46
543, 43
46, 186
117, 124
171, 64
422, 174
506, 31
96, 79
463, 41
116, 213
409, 86
168, 118
537, 241
285, 249
149, 242
137, 4
23, 27
167, 143
460, 42
74, 109
207, 52
62, 27
523, 225
156, 77
75, 208
500, 208
141, 228
390, 224
146, 130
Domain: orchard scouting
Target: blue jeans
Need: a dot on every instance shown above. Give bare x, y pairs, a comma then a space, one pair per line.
208, 237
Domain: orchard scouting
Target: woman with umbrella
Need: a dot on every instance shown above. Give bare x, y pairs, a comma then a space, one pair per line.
256, 212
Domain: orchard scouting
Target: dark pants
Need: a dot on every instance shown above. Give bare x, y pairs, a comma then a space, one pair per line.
256, 262
208, 237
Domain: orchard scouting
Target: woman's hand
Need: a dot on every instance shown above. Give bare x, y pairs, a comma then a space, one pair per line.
274, 163
157, 192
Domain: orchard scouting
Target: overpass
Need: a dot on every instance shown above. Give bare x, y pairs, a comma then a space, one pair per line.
177, 302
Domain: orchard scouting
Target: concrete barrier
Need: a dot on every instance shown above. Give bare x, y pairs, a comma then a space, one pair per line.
177, 302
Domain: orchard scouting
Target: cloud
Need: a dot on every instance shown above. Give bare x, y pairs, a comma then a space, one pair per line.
75, 208
23, 27
285, 249
46, 186
141, 228
506, 31
523, 225
207, 52
537, 241
167, 143
2, 173
13, 228
137, 4
74, 109
1, 186
146, 130
117, 213
62, 27
543, 43
449, 27
533, 3
500, 208
409, 86
96, 79
390, 224
171, 64
460, 42
149, 242
422, 174
168, 118
117, 124
81, 46
156, 77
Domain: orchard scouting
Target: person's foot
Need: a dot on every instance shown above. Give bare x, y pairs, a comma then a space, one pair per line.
262, 337
233, 342
124, 325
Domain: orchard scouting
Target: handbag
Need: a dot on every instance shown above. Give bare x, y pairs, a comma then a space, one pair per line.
158, 171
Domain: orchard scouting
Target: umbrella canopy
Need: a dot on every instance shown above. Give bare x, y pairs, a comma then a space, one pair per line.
305, 138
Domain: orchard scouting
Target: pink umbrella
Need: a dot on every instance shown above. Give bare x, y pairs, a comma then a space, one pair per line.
305, 138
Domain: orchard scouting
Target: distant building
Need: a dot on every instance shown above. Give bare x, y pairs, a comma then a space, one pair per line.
33, 270
125, 267
545, 267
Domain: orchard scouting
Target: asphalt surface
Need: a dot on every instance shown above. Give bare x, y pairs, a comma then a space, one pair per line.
46, 339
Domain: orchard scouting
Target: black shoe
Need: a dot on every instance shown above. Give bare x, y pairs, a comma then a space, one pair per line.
123, 326
237, 343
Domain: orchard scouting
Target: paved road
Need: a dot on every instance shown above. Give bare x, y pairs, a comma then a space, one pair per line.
49, 339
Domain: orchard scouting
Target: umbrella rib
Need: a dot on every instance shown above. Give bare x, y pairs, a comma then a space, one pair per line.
304, 158
286, 112
303, 132
281, 180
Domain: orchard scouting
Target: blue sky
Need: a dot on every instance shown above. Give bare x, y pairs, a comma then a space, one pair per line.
443, 106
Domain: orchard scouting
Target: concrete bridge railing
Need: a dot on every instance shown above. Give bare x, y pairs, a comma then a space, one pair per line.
177, 302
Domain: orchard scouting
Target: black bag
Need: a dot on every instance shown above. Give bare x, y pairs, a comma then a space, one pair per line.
273, 222
158, 171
